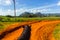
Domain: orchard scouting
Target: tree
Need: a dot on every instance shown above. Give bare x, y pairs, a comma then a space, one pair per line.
8, 16
26, 14
38, 14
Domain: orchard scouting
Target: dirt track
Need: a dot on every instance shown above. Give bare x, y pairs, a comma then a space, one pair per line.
39, 30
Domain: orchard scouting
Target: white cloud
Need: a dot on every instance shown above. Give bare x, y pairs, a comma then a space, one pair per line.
19, 11
5, 2
11, 12
58, 3
6, 12
8, 2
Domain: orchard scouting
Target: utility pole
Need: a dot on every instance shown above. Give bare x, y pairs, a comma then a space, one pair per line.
14, 9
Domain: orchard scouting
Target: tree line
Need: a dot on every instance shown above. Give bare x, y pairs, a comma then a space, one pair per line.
37, 14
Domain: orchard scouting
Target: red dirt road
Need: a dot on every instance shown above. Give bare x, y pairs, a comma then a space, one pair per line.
39, 30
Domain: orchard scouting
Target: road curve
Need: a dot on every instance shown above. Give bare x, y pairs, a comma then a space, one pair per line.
39, 31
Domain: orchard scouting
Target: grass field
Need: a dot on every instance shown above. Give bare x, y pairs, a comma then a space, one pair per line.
19, 19
57, 32
3, 25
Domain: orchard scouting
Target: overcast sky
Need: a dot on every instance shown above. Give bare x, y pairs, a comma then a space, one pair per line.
44, 6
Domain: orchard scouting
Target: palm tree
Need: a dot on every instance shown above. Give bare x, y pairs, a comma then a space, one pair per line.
14, 9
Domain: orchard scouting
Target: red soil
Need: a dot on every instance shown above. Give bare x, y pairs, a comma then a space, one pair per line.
39, 30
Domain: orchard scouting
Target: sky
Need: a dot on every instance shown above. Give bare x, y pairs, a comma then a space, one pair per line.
43, 6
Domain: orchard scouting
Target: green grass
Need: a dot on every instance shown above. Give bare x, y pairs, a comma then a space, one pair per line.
20, 19
3, 25
57, 32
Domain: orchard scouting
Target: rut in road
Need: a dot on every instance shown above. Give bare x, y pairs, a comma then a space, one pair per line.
13, 29
7, 32
2, 35
27, 30
26, 33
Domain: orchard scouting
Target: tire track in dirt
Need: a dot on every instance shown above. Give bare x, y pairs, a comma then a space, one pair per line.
17, 24
41, 29
7, 32
38, 30
26, 33
14, 28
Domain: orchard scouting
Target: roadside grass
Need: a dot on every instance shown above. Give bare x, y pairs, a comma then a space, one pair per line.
21, 19
57, 32
3, 25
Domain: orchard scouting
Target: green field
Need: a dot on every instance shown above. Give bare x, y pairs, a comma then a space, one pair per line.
20, 19
57, 32
3, 25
